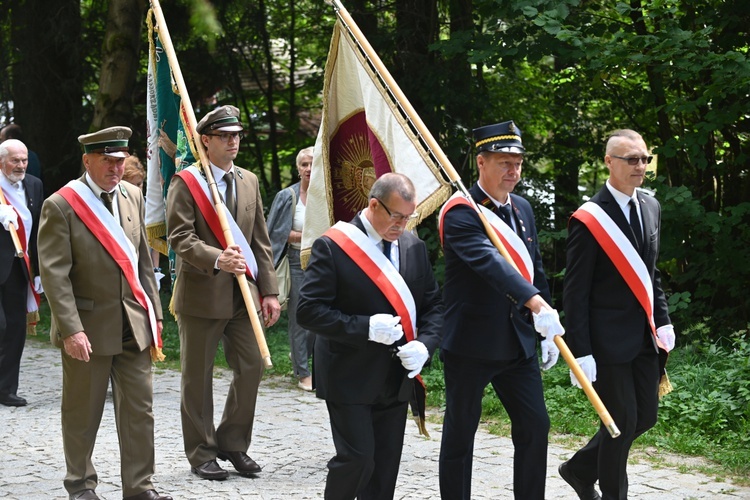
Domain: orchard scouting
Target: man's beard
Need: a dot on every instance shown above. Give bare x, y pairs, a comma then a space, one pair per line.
14, 177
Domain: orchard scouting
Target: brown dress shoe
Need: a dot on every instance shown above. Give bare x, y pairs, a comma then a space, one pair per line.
210, 470
242, 463
148, 495
584, 491
84, 495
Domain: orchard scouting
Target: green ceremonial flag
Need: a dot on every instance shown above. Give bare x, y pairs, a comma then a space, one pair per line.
168, 146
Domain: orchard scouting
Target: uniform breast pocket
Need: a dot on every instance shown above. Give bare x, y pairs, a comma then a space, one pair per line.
250, 206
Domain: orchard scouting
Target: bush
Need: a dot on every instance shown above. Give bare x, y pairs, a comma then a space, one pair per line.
704, 259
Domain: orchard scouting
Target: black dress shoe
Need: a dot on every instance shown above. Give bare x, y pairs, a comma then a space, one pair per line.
84, 495
584, 491
148, 495
242, 463
210, 470
12, 400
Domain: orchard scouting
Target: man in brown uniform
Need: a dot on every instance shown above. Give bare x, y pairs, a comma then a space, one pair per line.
208, 300
99, 280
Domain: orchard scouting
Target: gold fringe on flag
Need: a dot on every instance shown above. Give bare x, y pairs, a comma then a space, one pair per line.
155, 234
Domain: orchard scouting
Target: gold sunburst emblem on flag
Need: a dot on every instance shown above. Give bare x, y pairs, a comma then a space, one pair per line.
354, 173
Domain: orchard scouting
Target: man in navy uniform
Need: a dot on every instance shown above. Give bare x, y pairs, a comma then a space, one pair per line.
489, 334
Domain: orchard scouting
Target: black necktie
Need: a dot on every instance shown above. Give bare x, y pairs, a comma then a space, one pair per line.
107, 199
635, 224
387, 249
504, 212
231, 205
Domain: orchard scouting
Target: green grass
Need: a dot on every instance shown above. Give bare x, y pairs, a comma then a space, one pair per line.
707, 415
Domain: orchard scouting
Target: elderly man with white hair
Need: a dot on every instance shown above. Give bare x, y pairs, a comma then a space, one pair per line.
19, 276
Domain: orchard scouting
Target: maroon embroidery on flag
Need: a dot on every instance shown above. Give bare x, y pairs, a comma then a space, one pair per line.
357, 159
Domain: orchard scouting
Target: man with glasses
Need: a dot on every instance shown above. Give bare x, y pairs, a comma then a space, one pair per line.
208, 300
489, 334
371, 298
616, 313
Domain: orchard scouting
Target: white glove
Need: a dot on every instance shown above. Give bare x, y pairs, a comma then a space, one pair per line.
550, 353
38, 285
385, 328
588, 365
8, 216
413, 356
158, 275
547, 323
666, 336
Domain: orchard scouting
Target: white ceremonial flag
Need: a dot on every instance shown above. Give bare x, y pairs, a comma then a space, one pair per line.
362, 136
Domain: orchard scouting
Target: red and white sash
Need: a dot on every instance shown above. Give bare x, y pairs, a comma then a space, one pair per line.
368, 257
198, 187
512, 242
623, 255
380, 270
109, 233
19, 205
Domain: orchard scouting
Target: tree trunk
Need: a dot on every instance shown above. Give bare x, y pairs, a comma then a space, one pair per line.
47, 84
458, 79
270, 105
119, 65
414, 67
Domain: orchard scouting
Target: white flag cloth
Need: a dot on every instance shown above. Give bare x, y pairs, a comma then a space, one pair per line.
362, 136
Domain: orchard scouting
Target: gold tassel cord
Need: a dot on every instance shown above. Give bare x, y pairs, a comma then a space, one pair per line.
422, 426
32, 319
157, 354
665, 386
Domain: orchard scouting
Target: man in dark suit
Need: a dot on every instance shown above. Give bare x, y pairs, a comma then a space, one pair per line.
489, 334
208, 301
19, 277
609, 329
106, 314
366, 353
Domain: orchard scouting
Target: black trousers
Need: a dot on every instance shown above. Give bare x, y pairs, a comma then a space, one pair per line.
12, 326
518, 385
630, 391
368, 441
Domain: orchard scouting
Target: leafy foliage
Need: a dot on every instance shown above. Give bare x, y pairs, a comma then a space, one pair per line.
709, 413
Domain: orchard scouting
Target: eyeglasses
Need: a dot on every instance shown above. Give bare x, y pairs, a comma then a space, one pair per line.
225, 136
397, 217
634, 160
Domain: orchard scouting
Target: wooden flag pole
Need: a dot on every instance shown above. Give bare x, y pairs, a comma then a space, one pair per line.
13, 231
166, 41
447, 167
